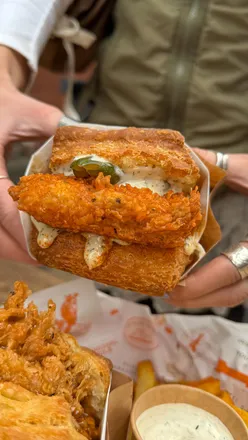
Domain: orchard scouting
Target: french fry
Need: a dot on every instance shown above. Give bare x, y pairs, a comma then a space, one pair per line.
225, 396
242, 413
146, 378
210, 384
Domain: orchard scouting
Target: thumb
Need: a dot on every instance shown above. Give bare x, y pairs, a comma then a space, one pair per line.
9, 215
35, 120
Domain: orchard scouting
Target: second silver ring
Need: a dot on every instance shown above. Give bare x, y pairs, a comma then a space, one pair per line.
222, 160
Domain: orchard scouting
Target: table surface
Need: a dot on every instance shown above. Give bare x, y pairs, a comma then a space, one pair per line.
37, 278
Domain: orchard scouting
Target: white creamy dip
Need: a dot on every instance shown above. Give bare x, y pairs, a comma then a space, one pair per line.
180, 421
46, 234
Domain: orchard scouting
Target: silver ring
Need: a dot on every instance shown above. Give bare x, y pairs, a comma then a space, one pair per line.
238, 255
4, 177
222, 160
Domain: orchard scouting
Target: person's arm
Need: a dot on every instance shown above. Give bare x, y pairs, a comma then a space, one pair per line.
218, 283
21, 117
13, 68
25, 27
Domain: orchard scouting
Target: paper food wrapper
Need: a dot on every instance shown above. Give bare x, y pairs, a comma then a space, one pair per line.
209, 232
181, 347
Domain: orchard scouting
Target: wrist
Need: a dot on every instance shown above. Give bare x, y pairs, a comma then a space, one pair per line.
13, 68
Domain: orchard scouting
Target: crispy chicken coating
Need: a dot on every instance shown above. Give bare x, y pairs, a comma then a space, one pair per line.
123, 212
37, 356
31, 416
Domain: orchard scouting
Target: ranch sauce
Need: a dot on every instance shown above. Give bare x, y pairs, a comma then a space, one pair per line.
179, 421
46, 234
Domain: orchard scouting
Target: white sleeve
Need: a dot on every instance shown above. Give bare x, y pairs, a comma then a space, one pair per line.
26, 25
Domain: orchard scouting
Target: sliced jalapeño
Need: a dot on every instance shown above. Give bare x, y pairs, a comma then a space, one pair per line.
91, 166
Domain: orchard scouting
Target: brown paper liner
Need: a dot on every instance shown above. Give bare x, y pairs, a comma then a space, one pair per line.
216, 174
212, 233
120, 405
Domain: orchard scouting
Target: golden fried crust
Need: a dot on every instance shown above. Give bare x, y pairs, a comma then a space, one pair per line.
26, 416
129, 214
143, 269
37, 356
128, 148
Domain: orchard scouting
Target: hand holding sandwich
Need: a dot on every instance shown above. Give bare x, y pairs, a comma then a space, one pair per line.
218, 283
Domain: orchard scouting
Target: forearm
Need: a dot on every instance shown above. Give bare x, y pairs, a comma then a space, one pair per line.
13, 68
25, 27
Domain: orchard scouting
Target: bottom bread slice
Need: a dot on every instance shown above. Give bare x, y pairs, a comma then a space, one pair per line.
143, 269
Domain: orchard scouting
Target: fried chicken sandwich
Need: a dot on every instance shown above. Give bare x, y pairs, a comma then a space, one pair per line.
50, 387
120, 207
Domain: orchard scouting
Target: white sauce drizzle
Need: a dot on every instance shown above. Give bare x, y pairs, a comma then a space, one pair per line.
179, 421
192, 246
46, 234
95, 248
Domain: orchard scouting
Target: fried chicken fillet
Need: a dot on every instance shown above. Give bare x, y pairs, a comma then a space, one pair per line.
140, 213
36, 356
131, 214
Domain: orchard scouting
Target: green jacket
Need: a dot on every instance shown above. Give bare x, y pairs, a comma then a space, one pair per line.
180, 64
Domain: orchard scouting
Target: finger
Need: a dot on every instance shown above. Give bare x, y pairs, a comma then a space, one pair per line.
11, 249
39, 120
225, 297
219, 273
9, 215
208, 155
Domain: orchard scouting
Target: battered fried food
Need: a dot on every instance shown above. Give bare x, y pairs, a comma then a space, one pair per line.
122, 212
28, 416
145, 269
37, 356
128, 148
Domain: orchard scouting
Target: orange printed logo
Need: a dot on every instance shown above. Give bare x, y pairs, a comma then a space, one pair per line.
194, 344
114, 312
106, 348
140, 333
168, 330
222, 367
69, 317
